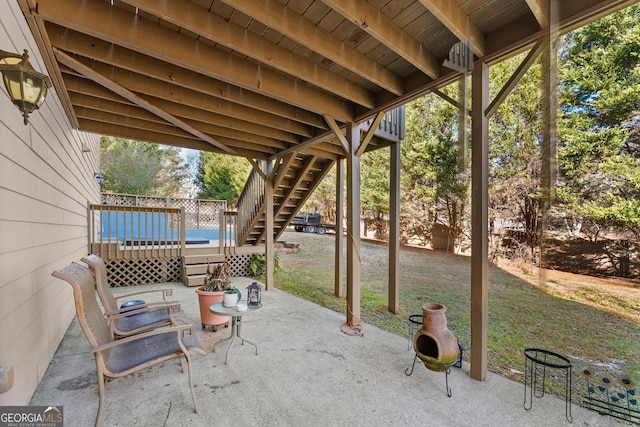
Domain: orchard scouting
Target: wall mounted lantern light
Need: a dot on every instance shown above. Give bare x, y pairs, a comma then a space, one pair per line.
100, 179
27, 88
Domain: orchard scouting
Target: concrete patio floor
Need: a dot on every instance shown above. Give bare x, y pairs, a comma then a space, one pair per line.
307, 373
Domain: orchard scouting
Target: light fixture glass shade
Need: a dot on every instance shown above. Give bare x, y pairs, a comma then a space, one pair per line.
26, 87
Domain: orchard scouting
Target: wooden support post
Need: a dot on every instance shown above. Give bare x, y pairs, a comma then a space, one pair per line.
269, 250
549, 167
394, 230
463, 115
479, 221
339, 270
353, 226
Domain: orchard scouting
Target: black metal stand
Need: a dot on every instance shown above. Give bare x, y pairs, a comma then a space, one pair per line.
447, 371
415, 323
536, 358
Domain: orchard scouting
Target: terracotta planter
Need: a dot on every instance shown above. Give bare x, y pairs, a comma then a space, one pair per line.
435, 344
206, 300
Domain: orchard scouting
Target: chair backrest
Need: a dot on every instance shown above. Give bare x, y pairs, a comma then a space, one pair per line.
90, 317
102, 286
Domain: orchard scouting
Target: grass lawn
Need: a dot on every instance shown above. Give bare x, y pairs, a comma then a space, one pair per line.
594, 322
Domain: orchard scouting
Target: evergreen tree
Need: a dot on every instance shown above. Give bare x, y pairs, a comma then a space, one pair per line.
136, 167
600, 151
221, 177
435, 182
515, 133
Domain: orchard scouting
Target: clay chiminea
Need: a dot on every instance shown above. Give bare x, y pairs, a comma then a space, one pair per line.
435, 344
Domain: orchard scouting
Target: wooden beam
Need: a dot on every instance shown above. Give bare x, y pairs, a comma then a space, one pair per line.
453, 17
370, 19
86, 94
115, 25
41, 37
354, 259
189, 16
549, 144
463, 123
283, 167
337, 131
179, 78
100, 79
283, 19
121, 112
269, 249
339, 242
370, 132
540, 11
154, 124
160, 138
534, 53
479, 222
202, 104
183, 102
309, 143
447, 98
301, 175
394, 229
258, 169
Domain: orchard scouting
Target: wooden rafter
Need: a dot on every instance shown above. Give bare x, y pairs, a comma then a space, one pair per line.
186, 84
283, 19
369, 18
540, 9
449, 13
337, 132
369, 135
515, 77
103, 81
188, 15
113, 25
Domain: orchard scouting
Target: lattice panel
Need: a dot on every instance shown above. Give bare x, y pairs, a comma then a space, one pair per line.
199, 214
143, 271
122, 273
239, 264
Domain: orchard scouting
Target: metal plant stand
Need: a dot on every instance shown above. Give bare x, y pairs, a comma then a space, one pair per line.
535, 359
446, 367
415, 323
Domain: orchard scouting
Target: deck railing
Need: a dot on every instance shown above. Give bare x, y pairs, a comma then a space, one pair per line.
228, 230
199, 213
136, 232
391, 127
250, 205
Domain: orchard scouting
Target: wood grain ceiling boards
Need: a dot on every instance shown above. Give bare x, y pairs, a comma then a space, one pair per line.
257, 78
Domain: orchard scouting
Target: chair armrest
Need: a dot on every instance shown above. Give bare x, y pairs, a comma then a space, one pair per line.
141, 336
165, 293
172, 306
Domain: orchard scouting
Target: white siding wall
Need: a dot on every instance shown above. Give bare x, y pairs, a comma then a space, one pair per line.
46, 182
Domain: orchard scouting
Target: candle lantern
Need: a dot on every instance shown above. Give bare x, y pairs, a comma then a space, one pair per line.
254, 294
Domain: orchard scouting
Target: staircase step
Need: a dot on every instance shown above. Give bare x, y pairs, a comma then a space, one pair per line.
196, 280
203, 259
196, 269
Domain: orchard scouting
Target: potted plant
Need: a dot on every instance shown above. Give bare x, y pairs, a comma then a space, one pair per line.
230, 297
216, 282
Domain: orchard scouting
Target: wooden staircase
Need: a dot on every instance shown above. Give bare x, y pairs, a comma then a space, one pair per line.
296, 177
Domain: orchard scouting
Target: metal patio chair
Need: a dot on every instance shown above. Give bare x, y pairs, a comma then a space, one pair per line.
117, 358
136, 318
